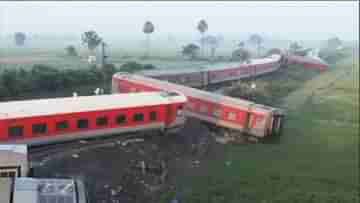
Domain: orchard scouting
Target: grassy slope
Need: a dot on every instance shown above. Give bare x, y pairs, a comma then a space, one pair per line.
316, 160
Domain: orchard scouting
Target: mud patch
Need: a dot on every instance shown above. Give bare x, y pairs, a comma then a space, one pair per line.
139, 171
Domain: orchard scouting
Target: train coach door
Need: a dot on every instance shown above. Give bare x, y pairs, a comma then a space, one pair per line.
247, 122
168, 114
277, 124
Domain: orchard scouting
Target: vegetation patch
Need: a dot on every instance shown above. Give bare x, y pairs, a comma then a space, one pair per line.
312, 161
15, 82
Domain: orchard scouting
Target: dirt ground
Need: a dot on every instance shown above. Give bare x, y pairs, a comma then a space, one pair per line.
115, 172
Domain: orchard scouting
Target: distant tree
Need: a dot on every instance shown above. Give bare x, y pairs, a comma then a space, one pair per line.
241, 44
91, 39
71, 50
148, 67
202, 28
148, 29
108, 71
256, 40
274, 51
133, 66
190, 50
20, 38
241, 54
294, 47
213, 42
10, 81
333, 43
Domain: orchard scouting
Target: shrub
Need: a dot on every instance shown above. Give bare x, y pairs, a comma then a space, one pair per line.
14, 82
133, 66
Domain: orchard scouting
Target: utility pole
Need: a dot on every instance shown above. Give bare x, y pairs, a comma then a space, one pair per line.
103, 55
103, 64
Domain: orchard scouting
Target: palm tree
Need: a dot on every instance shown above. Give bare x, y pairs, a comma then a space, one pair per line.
148, 29
241, 44
256, 40
202, 27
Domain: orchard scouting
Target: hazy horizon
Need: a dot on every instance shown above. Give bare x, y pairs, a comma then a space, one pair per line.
280, 20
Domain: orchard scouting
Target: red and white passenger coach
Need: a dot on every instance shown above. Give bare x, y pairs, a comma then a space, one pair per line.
44, 121
217, 73
256, 120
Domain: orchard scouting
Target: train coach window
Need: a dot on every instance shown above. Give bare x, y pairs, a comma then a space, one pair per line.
16, 131
82, 123
203, 109
217, 113
138, 117
232, 116
61, 125
39, 128
152, 116
101, 121
189, 105
120, 119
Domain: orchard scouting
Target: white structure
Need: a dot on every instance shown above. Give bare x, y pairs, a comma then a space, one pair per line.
91, 59
13, 161
31, 190
97, 91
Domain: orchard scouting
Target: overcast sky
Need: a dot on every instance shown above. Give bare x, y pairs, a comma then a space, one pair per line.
290, 20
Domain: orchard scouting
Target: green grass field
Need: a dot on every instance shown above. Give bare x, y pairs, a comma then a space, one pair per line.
315, 160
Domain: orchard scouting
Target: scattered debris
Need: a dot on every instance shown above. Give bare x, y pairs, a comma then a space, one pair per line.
75, 156
141, 172
126, 142
143, 167
195, 163
228, 163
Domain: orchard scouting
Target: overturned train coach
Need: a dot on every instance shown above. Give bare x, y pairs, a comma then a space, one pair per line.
227, 112
44, 121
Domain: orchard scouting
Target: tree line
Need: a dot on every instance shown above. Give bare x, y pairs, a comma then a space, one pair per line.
40, 77
193, 51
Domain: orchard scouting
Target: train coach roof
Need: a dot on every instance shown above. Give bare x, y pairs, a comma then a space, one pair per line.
270, 59
169, 72
19, 109
216, 66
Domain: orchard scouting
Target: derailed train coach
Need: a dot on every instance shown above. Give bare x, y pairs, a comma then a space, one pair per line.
230, 113
45, 121
218, 73
311, 62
